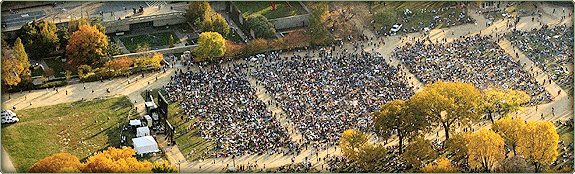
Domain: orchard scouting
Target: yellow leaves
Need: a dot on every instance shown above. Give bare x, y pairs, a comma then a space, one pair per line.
351, 142
418, 151
211, 45
117, 161
163, 167
506, 100
485, 148
60, 162
510, 129
443, 165
538, 143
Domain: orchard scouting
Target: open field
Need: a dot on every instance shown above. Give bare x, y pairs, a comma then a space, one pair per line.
79, 128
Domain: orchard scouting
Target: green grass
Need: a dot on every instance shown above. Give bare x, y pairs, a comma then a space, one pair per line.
37, 71
417, 16
163, 40
187, 141
60, 128
264, 8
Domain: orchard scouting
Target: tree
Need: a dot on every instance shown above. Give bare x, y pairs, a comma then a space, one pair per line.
39, 35
116, 161
63, 37
351, 143
57, 163
514, 164
395, 117
171, 42
316, 28
214, 22
153, 60
261, 26
196, 10
86, 46
233, 49
418, 151
163, 167
370, 156
538, 143
74, 25
458, 144
443, 165
120, 65
510, 129
11, 68
448, 103
505, 101
211, 45
485, 149
22, 57
113, 49
256, 46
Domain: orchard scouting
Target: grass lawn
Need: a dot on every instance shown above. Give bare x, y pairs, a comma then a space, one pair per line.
264, 8
187, 141
162, 39
48, 130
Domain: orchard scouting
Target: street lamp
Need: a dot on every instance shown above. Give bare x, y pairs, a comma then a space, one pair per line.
179, 166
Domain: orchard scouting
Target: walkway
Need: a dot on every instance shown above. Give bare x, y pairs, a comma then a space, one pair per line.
234, 26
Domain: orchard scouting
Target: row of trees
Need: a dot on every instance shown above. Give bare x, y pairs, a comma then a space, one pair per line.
112, 160
449, 105
202, 16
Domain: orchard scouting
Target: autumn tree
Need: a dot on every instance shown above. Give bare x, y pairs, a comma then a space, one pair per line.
233, 49
256, 46
316, 28
214, 22
163, 167
153, 60
196, 10
113, 49
39, 35
120, 65
369, 157
211, 45
504, 101
485, 149
395, 118
447, 104
538, 143
351, 143
458, 145
75, 24
418, 151
514, 164
442, 165
22, 57
261, 26
116, 160
86, 46
57, 163
510, 129
11, 68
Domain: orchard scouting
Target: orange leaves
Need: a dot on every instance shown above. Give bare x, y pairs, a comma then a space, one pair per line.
120, 64
60, 162
86, 46
443, 165
233, 49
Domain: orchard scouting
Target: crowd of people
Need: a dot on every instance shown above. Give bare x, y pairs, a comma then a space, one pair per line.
229, 112
331, 91
476, 59
551, 49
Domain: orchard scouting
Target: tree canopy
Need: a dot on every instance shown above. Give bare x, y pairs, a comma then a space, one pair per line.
418, 151
214, 22
351, 143
57, 163
448, 103
87, 46
22, 57
510, 129
116, 160
39, 35
211, 45
538, 143
261, 26
316, 28
505, 101
486, 148
443, 165
196, 10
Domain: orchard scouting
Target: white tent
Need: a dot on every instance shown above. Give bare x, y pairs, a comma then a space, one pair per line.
135, 122
142, 131
145, 144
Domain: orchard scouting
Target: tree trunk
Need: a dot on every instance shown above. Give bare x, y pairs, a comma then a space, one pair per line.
513, 148
446, 128
491, 117
400, 142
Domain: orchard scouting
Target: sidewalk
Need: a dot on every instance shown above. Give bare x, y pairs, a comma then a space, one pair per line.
234, 26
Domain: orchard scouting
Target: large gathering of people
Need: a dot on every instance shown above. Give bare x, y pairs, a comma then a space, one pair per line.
327, 94
550, 48
229, 112
476, 59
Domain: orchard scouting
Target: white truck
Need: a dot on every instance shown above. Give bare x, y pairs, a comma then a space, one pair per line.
8, 117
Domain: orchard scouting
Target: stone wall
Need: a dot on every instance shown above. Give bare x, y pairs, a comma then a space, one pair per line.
290, 22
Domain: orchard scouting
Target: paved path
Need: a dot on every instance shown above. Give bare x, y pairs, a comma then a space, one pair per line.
234, 26
7, 165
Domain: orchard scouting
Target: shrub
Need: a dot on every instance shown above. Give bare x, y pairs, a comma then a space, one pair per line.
261, 26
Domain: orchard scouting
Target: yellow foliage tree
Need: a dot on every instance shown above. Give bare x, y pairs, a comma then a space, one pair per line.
538, 143
11, 69
443, 165
164, 167
418, 151
351, 143
57, 163
510, 130
86, 46
485, 149
116, 160
448, 103
147, 60
211, 45
504, 101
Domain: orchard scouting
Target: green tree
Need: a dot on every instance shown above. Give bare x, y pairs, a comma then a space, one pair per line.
418, 151
39, 35
370, 156
447, 104
171, 42
256, 46
196, 10
57, 163
211, 45
352, 142
538, 143
317, 31
113, 49
86, 46
163, 167
510, 129
261, 26
214, 22
486, 148
395, 117
22, 57
63, 37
